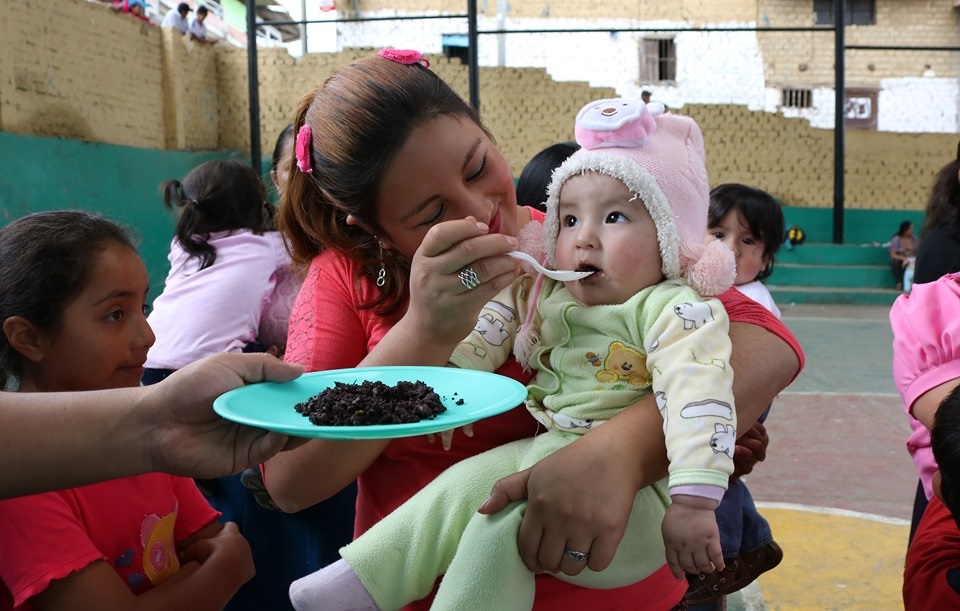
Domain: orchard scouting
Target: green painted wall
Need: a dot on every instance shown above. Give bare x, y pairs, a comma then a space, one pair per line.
119, 181
859, 226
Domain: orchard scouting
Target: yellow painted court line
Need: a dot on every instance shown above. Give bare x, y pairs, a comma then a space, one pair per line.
834, 559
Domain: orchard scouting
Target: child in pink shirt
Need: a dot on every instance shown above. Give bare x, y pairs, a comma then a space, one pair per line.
926, 360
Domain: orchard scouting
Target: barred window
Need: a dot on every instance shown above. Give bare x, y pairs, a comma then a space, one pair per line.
796, 98
658, 60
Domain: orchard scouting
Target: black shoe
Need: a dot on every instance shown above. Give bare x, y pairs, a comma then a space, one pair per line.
252, 480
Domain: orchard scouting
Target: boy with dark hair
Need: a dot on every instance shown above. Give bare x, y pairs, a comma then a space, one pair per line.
198, 30
178, 18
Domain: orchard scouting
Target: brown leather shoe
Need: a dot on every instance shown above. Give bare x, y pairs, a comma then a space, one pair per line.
738, 574
753, 564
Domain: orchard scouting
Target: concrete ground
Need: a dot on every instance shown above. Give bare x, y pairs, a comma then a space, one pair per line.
838, 484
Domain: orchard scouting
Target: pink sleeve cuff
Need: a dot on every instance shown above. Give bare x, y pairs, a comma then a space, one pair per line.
701, 490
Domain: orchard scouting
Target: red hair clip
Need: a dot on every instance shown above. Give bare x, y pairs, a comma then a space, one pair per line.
302, 148
404, 56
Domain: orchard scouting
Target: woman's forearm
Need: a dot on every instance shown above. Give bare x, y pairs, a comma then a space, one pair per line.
51, 441
317, 470
637, 430
763, 365
59, 440
320, 468
407, 344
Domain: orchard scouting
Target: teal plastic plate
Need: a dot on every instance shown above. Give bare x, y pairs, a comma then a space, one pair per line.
270, 405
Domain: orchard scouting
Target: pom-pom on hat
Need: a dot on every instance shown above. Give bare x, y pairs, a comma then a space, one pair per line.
660, 157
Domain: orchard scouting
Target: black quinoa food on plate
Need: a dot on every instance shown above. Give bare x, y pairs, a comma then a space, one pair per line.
372, 402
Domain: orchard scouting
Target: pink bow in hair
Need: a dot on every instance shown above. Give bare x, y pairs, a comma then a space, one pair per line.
404, 56
302, 149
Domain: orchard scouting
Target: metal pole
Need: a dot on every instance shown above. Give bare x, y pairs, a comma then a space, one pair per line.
473, 68
303, 27
840, 122
253, 81
502, 8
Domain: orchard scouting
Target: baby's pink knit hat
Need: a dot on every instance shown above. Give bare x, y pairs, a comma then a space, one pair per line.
660, 157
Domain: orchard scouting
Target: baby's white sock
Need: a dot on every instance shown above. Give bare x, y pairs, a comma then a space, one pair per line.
333, 587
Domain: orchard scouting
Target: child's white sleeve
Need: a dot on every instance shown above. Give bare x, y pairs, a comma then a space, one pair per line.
689, 356
490, 343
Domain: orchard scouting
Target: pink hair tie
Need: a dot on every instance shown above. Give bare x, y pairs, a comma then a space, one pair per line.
302, 149
404, 56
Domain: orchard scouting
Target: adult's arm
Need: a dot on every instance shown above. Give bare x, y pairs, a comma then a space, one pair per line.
926, 362
925, 407
441, 313
50, 441
895, 245
627, 453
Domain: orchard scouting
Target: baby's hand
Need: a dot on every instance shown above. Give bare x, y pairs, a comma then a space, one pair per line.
691, 536
446, 437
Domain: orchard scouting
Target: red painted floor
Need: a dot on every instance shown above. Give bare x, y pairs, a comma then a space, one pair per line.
836, 443
843, 451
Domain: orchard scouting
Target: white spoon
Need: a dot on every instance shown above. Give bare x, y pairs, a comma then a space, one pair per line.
561, 275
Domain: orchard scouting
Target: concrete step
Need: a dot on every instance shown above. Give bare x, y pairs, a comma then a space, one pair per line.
834, 276
785, 295
834, 254
826, 273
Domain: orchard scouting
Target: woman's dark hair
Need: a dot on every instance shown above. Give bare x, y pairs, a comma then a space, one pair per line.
536, 175
944, 202
360, 118
282, 142
45, 261
758, 208
904, 225
220, 195
945, 443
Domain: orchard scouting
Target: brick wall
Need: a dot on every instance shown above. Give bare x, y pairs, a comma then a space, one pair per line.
283, 81
794, 161
526, 110
909, 24
191, 93
75, 69
80, 71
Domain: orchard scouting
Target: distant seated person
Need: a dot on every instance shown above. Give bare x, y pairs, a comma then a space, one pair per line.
135, 8
197, 30
178, 18
931, 578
